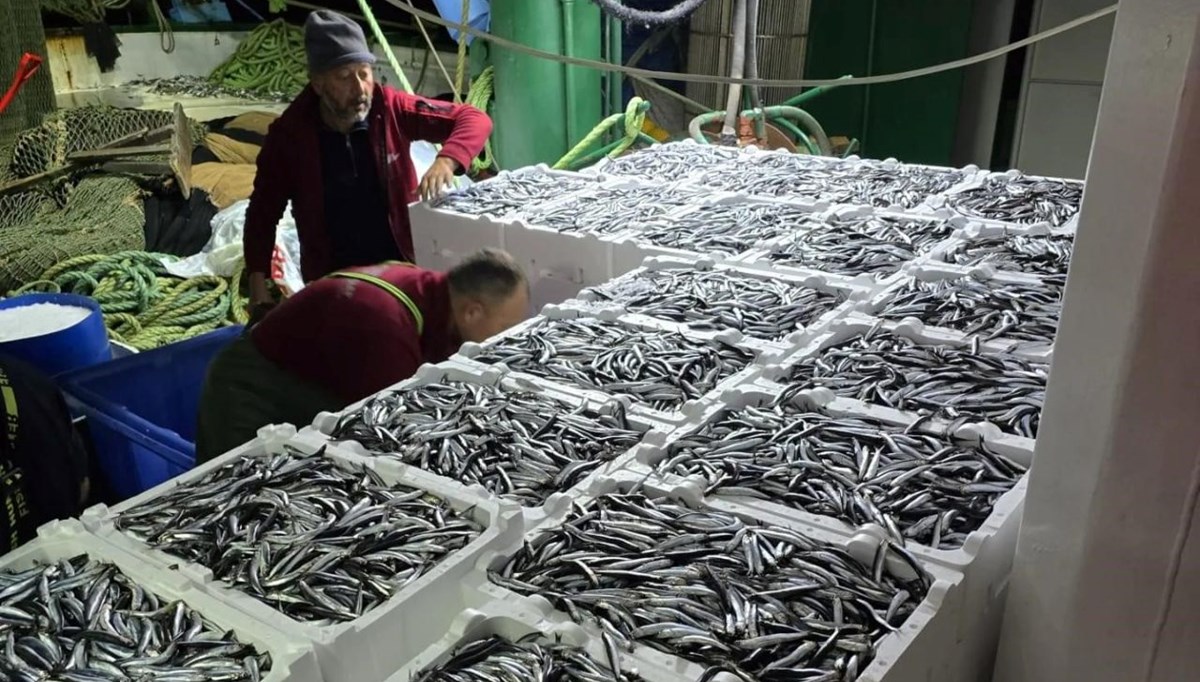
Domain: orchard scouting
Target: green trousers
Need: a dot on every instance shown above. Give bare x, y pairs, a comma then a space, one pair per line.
243, 392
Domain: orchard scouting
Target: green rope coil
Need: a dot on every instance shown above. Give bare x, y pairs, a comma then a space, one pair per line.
144, 306
480, 97
269, 61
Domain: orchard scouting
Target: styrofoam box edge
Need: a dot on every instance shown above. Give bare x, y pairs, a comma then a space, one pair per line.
359, 649
898, 651
292, 660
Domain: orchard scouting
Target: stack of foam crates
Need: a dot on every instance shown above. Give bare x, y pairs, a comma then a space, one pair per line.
951, 634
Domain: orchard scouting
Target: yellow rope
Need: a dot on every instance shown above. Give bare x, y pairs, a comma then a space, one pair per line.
460, 69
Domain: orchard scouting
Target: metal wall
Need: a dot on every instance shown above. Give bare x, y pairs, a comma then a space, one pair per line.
1061, 92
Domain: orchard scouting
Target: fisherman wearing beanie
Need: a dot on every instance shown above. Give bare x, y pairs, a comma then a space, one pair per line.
340, 154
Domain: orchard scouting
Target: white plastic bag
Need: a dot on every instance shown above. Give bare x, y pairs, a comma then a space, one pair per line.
220, 256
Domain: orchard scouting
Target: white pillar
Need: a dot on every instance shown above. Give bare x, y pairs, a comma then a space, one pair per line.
1106, 584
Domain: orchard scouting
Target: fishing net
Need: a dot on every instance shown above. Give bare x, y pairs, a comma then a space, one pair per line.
93, 215
71, 130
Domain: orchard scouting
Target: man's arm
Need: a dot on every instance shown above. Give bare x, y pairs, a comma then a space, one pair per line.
272, 190
461, 129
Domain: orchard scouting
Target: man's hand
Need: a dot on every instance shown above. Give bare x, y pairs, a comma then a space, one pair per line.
261, 301
438, 178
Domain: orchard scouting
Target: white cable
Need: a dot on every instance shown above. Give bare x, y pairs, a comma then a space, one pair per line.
761, 82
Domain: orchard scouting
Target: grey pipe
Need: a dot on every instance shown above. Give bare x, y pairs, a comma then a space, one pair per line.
736, 70
752, 52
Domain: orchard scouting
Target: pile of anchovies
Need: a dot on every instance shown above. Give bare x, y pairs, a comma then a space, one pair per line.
1023, 201
506, 195
659, 368
671, 161
199, 86
611, 210
764, 308
1024, 311
726, 229
1045, 255
519, 445
315, 539
762, 601
496, 659
921, 487
78, 620
832, 180
855, 245
957, 383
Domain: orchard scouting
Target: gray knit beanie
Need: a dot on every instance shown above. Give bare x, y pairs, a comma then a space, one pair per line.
332, 39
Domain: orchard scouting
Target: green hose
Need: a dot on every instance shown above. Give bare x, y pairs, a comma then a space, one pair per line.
269, 61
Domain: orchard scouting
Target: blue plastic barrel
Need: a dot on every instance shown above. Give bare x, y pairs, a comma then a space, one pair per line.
141, 410
83, 344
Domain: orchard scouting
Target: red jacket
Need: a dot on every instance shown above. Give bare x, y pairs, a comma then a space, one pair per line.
354, 339
289, 169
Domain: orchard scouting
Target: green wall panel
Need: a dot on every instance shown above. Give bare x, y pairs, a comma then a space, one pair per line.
912, 120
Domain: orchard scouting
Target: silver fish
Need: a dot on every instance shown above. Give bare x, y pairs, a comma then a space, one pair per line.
316, 539
660, 369
930, 488
881, 368
519, 445
761, 307
711, 587
80, 620
526, 660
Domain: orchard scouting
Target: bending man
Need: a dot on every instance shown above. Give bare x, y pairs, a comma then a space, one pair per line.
340, 154
350, 335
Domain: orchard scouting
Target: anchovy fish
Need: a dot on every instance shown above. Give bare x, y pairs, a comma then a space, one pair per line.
527, 660
1023, 201
661, 369
723, 229
507, 195
884, 369
816, 178
671, 161
519, 445
316, 539
928, 488
1026, 311
78, 620
855, 245
605, 210
762, 307
714, 588
1046, 255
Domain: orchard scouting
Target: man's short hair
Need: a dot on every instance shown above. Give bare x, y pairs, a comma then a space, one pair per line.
489, 274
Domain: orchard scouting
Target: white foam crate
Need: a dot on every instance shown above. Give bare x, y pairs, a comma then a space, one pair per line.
998, 530
458, 370
765, 356
923, 648
513, 623
760, 257
605, 165
291, 660
590, 299
940, 206
756, 157
443, 238
371, 646
936, 271
557, 264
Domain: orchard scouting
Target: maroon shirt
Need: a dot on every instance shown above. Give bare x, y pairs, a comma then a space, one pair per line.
289, 168
353, 338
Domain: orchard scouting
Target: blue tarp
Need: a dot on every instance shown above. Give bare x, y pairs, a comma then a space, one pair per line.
451, 10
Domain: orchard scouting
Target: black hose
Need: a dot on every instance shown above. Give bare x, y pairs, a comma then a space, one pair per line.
641, 16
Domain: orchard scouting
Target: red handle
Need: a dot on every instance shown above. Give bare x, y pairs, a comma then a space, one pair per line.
29, 65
